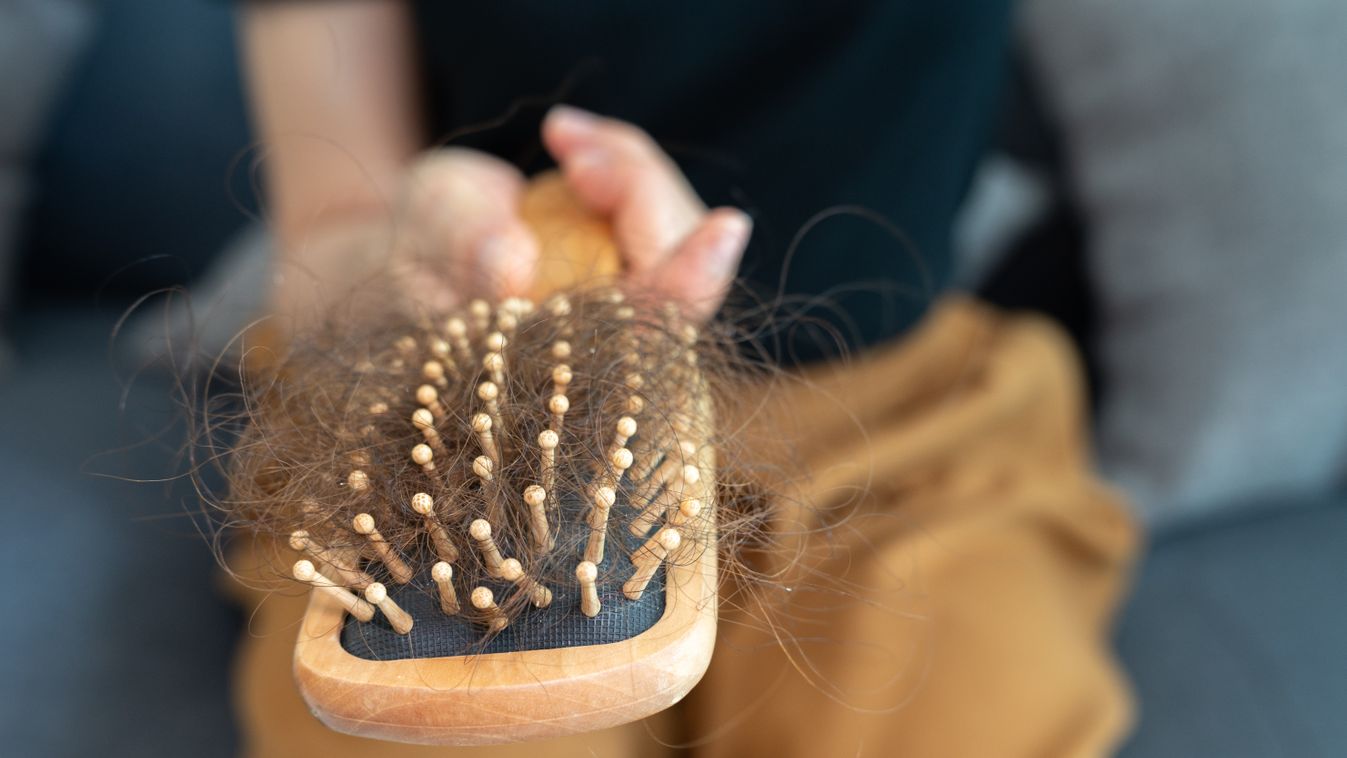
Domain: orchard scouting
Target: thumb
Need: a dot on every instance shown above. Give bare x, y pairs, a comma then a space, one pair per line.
703, 266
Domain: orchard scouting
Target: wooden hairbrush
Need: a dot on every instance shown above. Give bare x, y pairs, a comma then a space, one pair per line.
507, 512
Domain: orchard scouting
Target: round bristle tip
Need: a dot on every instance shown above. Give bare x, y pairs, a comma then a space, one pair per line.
423, 503
482, 598
586, 571
304, 570
376, 593
358, 480
670, 539
442, 572
422, 454
480, 529
488, 391
426, 394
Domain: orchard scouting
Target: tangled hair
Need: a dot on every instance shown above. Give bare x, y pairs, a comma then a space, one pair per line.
288, 429
378, 449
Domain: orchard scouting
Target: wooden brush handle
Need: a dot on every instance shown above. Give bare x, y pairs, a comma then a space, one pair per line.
577, 246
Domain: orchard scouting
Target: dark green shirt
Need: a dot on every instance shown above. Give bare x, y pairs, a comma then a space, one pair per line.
786, 109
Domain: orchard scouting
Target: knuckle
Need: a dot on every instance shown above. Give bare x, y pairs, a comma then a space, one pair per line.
434, 163
437, 183
634, 142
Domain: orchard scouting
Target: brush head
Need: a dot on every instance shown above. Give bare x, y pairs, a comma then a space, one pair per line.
509, 443
559, 424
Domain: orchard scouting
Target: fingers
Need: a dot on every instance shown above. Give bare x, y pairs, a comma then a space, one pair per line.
459, 229
619, 171
701, 269
670, 243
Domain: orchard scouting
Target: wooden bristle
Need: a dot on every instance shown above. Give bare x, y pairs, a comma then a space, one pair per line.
433, 371
431, 447
558, 405
364, 524
648, 559
494, 363
424, 504
424, 457
305, 572
340, 568
512, 571
604, 497
626, 427
424, 420
480, 312
481, 423
486, 543
443, 575
547, 443
484, 601
535, 499
587, 575
561, 379
358, 481
400, 620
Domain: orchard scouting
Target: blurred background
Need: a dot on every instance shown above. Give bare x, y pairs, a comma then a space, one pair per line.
1167, 180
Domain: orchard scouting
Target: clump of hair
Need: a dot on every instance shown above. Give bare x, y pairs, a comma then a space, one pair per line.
500, 439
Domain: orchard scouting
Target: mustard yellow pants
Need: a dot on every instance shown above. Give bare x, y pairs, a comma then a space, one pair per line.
945, 569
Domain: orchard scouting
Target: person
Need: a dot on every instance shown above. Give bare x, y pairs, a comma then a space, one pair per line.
984, 561
884, 106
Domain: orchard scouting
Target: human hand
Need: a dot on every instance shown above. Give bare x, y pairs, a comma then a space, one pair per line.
459, 232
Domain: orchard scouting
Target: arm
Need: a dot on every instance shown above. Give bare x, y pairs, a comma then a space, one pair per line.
334, 88
334, 102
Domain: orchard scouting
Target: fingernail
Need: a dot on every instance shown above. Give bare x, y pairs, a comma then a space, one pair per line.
729, 244
577, 122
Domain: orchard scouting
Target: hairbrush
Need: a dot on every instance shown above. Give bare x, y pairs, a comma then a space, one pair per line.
506, 513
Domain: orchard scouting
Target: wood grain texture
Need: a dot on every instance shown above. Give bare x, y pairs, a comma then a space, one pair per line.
577, 246
510, 697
